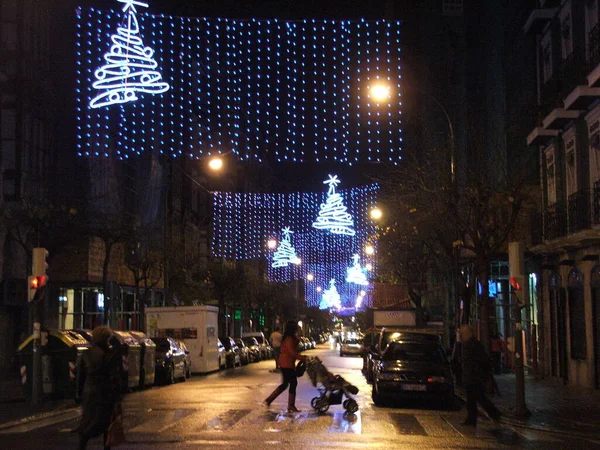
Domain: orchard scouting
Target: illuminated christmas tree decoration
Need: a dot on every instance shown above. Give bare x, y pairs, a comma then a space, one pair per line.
129, 67
355, 273
332, 214
261, 89
285, 254
331, 297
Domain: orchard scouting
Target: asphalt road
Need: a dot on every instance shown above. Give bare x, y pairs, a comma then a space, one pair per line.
224, 410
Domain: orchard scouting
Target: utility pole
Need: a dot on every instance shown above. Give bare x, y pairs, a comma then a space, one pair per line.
519, 289
36, 294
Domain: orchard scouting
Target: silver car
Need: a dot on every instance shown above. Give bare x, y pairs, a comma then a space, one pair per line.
350, 346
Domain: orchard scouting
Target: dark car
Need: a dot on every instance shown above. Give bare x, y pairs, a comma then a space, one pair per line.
244, 351
170, 360
188, 359
413, 369
232, 352
253, 348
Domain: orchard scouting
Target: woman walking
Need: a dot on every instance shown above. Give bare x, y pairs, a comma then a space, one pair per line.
101, 381
287, 364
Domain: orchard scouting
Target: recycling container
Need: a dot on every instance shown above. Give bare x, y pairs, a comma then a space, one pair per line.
148, 356
129, 350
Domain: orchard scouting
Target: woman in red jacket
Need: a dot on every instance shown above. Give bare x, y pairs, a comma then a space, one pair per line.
287, 364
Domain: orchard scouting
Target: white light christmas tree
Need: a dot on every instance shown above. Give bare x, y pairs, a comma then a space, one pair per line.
332, 214
331, 297
285, 253
356, 274
129, 67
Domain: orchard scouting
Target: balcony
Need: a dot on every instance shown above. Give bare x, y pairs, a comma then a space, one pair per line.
596, 203
555, 221
594, 57
537, 20
580, 211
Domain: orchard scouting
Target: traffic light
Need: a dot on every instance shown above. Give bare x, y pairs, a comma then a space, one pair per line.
34, 283
39, 267
516, 283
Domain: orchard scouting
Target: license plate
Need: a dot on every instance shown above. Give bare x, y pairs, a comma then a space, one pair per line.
414, 387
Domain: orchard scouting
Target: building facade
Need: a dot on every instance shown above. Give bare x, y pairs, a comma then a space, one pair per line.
567, 37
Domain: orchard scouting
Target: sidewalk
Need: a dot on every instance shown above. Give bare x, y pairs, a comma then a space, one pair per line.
553, 406
15, 409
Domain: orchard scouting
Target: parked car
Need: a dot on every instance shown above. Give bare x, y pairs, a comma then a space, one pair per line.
188, 359
170, 360
244, 351
222, 352
409, 369
266, 351
350, 346
376, 341
232, 352
307, 343
253, 348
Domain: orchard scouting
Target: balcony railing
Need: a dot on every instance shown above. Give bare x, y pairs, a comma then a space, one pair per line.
596, 204
555, 221
580, 211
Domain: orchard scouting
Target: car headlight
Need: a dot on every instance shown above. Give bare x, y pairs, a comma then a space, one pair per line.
437, 379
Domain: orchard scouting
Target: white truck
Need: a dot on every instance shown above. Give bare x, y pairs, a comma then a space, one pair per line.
196, 326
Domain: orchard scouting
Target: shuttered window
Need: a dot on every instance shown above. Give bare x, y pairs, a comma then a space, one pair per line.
577, 315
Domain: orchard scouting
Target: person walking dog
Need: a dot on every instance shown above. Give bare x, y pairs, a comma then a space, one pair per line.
275, 340
100, 388
287, 364
476, 372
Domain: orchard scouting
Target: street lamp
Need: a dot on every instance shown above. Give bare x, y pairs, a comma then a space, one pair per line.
215, 164
319, 289
376, 213
369, 249
369, 266
271, 244
310, 277
379, 92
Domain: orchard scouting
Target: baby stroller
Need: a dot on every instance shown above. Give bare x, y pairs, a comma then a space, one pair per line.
332, 388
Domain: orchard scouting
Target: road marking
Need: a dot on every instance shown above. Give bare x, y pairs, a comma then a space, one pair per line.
165, 420
226, 420
407, 424
30, 426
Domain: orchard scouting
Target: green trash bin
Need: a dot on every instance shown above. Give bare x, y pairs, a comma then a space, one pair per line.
129, 350
148, 355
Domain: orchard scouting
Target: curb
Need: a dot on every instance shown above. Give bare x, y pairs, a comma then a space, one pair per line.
36, 417
507, 420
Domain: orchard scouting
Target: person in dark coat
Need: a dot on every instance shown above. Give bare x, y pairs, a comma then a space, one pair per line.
476, 372
101, 387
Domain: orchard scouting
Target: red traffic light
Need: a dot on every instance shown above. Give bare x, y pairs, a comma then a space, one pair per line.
37, 282
515, 284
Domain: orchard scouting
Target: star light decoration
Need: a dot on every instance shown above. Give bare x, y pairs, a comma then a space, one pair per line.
130, 66
285, 254
285, 91
332, 214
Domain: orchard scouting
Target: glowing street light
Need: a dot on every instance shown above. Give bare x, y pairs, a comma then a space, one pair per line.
319, 289
376, 213
379, 92
310, 277
369, 249
271, 243
215, 164
369, 266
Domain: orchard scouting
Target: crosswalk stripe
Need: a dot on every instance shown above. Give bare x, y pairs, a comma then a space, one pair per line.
162, 421
407, 424
30, 426
346, 423
226, 420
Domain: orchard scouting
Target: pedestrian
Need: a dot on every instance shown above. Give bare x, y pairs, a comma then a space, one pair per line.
287, 365
101, 387
496, 348
476, 372
275, 340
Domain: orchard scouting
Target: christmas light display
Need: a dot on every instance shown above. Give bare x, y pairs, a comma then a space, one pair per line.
332, 214
243, 224
129, 67
289, 91
285, 254
355, 273
330, 298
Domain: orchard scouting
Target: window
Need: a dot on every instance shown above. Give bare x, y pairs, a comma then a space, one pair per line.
577, 315
591, 22
594, 133
566, 31
551, 178
452, 8
571, 167
546, 46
